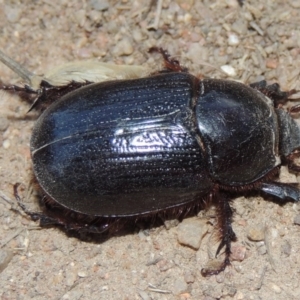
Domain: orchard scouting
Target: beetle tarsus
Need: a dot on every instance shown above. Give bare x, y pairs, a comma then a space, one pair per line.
14, 88
224, 213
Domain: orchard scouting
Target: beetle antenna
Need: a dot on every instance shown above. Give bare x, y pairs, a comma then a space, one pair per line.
16, 67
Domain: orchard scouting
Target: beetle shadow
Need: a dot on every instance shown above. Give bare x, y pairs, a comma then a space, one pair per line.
127, 227
100, 229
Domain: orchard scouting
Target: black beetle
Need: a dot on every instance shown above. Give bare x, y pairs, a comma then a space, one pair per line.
169, 142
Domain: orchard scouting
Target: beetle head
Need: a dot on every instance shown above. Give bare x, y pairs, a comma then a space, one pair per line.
289, 133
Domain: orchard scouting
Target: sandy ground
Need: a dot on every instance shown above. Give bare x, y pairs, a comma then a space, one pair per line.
259, 41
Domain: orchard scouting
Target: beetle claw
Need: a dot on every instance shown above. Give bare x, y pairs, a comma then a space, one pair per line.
215, 268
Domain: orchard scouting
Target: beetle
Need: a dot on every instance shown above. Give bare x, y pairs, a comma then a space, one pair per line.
166, 143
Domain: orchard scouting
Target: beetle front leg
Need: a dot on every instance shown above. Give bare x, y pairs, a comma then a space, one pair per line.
273, 91
282, 191
289, 160
227, 235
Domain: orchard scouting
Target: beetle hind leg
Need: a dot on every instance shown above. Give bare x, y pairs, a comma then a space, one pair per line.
227, 235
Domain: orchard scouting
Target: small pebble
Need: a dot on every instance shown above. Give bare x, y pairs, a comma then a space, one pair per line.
239, 296
185, 296
271, 63
82, 274
58, 278
295, 3
275, 288
240, 26
124, 47
189, 277
195, 51
73, 295
232, 3
99, 5
261, 248
179, 286
80, 17
3, 123
273, 231
6, 144
190, 232
12, 14
171, 223
233, 39
238, 253
71, 275
256, 234
137, 35
286, 248
5, 257
229, 70
297, 220
256, 27
220, 277
144, 295
229, 290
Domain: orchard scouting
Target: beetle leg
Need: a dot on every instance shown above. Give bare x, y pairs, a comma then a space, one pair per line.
282, 191
171, 64
14, 88
289, 160
273, 91
294, 109
100, 225
227, 234
35, 216
25, 92
47, 94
